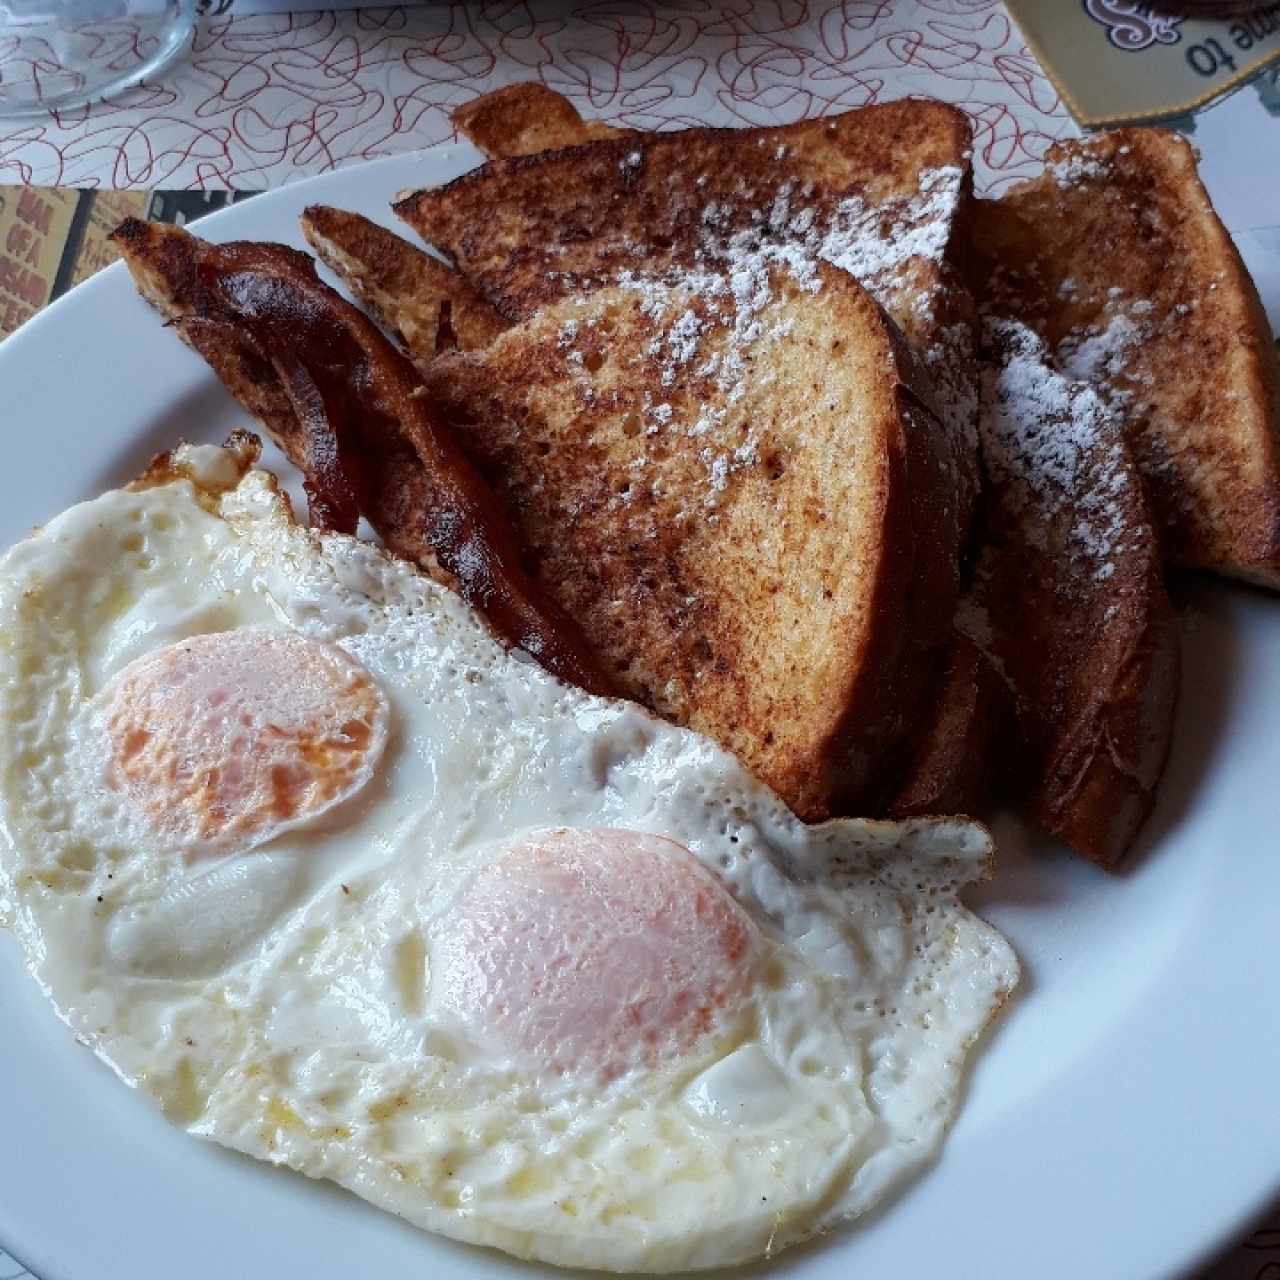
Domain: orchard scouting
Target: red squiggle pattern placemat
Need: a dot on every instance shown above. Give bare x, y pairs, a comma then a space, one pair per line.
265, 99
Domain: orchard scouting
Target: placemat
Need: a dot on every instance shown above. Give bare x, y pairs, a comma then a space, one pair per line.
265, 99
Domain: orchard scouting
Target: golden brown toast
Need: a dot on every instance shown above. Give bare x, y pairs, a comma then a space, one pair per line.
1069, 599
524, 119
352, 413
740, 496
1117, 259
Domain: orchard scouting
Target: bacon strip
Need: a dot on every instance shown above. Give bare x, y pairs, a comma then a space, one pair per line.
352, 413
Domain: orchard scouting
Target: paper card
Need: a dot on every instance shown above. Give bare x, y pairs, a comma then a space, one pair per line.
35, 223
1120, 60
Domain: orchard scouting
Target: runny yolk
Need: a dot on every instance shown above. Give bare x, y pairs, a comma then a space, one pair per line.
591, 951
223, 740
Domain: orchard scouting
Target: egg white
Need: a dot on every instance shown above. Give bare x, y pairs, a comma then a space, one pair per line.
279, 1000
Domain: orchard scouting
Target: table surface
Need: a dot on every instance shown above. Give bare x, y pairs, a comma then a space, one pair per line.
263, 100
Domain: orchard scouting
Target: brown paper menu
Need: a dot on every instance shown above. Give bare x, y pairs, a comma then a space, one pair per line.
1121, 60
52, 238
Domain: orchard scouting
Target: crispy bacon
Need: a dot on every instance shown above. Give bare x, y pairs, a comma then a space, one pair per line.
352, 413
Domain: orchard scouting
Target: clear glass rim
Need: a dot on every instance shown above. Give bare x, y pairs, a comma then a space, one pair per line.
93, 92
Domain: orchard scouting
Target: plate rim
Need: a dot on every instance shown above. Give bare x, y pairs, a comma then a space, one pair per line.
98, 292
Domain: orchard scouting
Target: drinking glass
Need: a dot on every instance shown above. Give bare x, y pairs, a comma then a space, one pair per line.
62, 53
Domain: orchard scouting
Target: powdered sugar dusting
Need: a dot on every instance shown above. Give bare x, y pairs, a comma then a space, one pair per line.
870, 241
882, 244
896, 246
876, 242
1103, 353
1074, 168
708, 305
1053, 449
730, 291
709, 322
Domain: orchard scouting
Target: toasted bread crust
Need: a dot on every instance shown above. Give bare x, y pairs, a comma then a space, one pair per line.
1116, 257
971, 710
427, 306
1101, 782
523, 119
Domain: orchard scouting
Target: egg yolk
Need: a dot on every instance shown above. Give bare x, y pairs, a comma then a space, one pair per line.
223, 740
592, 951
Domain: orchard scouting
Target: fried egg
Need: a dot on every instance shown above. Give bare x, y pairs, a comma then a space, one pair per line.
312, 861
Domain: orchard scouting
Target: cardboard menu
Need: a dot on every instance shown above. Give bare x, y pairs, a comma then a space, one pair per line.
52, 238
35, 226
1120, 60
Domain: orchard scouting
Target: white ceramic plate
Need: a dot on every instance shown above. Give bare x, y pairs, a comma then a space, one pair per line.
1123, 1119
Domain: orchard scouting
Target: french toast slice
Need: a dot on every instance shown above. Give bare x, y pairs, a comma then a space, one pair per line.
1069, 600
524, 119
962, 706
353, 415
739, 495
1115, 256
